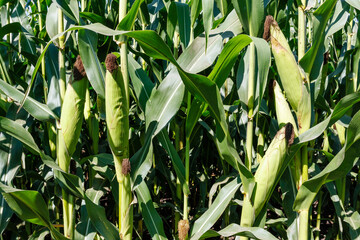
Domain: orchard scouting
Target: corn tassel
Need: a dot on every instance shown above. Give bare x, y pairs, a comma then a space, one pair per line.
117, 119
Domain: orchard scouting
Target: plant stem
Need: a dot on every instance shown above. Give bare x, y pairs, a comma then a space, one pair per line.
318, 217
301, 30
250, 124
11, 67
125, 194
62, 71
187, 162
178, 147
304, 214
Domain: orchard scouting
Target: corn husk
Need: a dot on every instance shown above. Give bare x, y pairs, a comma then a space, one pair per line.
117, 112
72, 113
283, 112
117, 120
266, 175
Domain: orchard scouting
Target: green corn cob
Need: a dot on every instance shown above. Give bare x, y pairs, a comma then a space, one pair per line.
267, 174
117, 119
283, 112
72, 112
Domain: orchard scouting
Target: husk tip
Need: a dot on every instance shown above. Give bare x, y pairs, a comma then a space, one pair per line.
125, 166
79, 70
111, 63
183, 229
268, 21
289, 133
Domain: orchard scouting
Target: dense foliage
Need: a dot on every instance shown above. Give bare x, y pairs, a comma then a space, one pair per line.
222, 118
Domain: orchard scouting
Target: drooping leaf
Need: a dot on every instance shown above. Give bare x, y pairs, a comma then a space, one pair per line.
251, 15
237, 230
183, 20
38, 110
87, 41
209, 218
339, 166
152, 219
208, 9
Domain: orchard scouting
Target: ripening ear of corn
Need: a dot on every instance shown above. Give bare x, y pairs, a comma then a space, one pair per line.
117, 119
72, 112
293, 79
283, 112
266, 175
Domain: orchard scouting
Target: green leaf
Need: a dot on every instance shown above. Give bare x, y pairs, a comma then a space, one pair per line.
142, 84
28, 205
237, 230
70, 8
17, 131
178, 165
320, 20
152, 219
251, 14
183, 20
171, 20
354, 3
36, 109
195, 10
223, 6
98, 217
227, 58
339, 166
209, 218
87, 41
127, 22
208, 9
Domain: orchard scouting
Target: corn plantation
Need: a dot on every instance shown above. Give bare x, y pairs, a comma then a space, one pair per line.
196, 119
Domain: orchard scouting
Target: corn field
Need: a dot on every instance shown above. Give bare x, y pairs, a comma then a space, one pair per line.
179, 119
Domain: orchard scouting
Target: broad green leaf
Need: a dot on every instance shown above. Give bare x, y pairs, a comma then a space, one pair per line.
10, 28
183, 20
339, 166
152, 219
98, 218
141, 161
142, 84
209, 218
93, 17
237, 230
127, 22
354, 3
16, 130
70, 8
195, 10
178, 165
320, 20
340, 109
28, 205
208, 9
87, 41
164, 102
227, 58
193, 116
171, 20
38, 110
3, 2
223, 6
251, 14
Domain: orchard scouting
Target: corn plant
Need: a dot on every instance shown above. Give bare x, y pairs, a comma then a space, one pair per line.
179, 119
